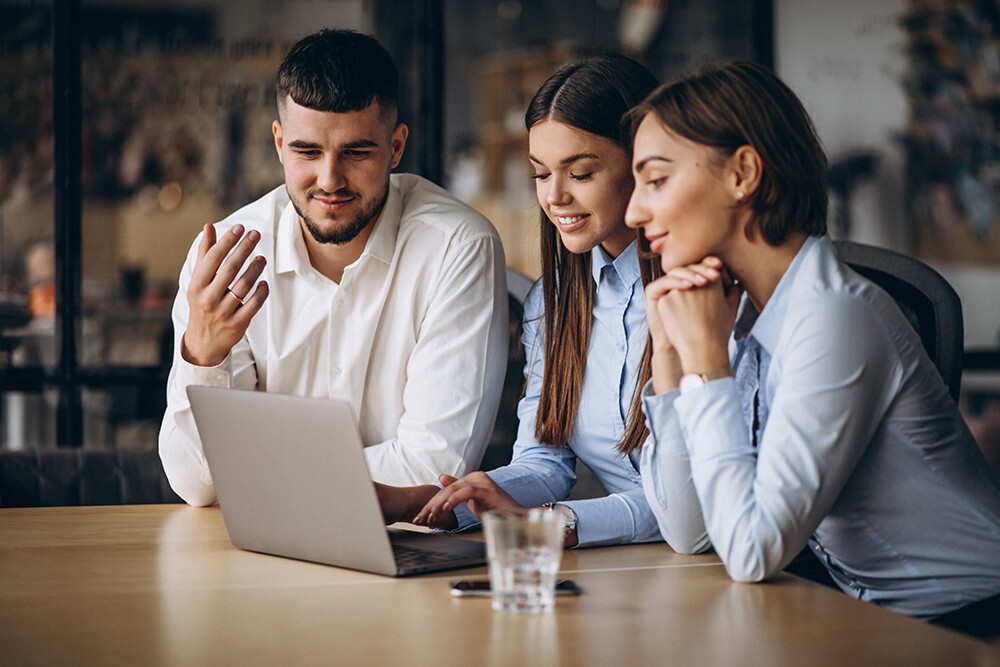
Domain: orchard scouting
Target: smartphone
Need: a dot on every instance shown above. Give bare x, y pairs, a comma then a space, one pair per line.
481, 587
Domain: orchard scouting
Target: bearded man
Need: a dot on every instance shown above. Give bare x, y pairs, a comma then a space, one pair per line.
346, 282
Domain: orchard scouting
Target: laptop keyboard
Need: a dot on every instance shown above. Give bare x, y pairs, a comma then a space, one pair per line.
407, 556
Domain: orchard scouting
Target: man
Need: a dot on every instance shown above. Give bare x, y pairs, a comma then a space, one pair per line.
381, 290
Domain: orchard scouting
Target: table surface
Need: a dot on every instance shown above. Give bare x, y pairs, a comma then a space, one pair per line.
161, 584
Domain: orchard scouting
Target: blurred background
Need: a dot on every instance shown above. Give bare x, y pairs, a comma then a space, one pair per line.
125, 126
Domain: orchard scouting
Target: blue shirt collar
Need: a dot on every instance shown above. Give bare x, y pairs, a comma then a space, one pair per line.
766, 327
626, 265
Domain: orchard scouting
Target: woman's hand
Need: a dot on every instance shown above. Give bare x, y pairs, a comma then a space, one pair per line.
693, 308
479, 492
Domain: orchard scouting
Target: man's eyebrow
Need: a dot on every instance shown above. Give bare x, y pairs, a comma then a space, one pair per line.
360, 143
641, 164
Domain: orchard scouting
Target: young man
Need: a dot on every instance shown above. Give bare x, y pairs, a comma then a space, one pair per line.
347, 282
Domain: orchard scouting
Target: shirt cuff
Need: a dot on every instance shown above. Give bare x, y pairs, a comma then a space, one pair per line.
664, 446
711, 420
188, 374
661, 420
597, 518
465, 517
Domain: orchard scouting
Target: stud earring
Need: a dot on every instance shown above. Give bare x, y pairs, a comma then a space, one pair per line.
739, 194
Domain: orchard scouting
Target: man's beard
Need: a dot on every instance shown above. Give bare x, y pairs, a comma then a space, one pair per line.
346, 232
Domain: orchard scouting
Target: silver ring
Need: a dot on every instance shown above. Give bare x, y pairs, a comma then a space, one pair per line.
233, 294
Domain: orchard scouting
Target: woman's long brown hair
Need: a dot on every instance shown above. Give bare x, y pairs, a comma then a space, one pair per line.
593, 95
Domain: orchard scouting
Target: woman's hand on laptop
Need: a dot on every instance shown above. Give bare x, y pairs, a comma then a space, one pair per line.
401, 503
476, 490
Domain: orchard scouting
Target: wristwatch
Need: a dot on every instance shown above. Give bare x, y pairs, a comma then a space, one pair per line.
695, 380
569, 526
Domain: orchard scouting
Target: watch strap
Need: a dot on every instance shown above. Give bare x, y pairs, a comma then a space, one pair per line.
569, 525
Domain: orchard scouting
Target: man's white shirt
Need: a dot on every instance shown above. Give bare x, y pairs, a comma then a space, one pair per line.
414, 337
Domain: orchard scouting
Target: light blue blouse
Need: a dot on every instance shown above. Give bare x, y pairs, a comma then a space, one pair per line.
541, 473
859, 450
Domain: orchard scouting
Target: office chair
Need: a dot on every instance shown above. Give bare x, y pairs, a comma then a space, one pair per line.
926, 299
500, 448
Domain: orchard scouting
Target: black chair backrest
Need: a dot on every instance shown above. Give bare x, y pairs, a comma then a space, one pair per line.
925, 297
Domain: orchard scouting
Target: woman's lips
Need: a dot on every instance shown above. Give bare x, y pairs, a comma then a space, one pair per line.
656, 242
571, 223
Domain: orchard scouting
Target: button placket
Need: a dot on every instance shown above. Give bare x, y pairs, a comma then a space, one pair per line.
338, 315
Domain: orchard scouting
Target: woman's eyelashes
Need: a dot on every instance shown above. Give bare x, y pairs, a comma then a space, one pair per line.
651, 179
540, 176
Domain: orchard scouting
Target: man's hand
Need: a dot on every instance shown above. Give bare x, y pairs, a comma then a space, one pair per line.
401, 503
476, 490
219, 298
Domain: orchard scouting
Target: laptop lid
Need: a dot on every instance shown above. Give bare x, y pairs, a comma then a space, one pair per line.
292, 480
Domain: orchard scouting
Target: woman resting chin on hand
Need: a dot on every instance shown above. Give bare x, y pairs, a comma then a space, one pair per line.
789, 391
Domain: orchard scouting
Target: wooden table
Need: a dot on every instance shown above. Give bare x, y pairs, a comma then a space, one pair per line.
162, 585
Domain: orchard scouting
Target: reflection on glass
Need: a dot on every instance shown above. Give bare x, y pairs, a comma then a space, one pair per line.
27, 267
175, 123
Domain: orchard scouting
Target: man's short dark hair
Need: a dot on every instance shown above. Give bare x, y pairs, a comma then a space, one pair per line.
339, 71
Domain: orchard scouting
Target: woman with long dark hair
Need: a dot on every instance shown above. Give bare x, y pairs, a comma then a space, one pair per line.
585, 331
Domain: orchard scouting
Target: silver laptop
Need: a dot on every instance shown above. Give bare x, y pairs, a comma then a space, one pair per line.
292, 481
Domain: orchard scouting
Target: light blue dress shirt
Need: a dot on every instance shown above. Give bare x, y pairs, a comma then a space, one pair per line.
541, 473
860, 451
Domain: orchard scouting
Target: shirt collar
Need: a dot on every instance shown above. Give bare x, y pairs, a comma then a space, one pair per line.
291, 254
766, 327
626, 265
382, 243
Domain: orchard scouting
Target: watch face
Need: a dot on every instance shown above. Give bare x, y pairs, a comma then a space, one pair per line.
690, 381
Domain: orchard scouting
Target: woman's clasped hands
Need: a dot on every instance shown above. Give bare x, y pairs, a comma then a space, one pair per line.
691, 311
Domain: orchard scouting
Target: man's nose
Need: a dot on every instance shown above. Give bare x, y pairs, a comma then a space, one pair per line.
331, 176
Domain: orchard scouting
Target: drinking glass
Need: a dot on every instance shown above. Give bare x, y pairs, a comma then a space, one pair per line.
524, 550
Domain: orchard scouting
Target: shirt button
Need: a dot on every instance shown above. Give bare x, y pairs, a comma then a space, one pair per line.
337, 370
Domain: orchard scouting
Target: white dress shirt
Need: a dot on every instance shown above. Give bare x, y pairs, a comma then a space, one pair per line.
859, 450
414, 337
